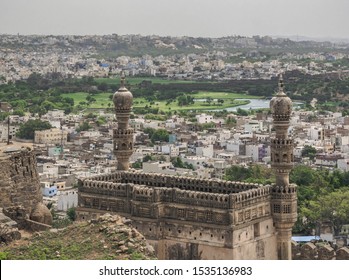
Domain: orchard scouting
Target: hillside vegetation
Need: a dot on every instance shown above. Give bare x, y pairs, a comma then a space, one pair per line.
106, 238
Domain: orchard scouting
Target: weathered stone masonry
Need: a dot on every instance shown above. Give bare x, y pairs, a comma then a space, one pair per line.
19, 182
20, 193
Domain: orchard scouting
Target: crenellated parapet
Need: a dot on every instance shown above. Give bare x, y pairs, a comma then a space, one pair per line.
181, 182
145, 196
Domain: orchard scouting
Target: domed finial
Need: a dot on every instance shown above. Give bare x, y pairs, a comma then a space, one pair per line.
281, 84
122, 79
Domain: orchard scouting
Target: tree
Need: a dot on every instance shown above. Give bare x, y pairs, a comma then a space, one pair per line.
83, 127
221, 101
254, 174
209, 100
178, 162
237, 173
147, 158
309, 151
27, 130
137, 165
71, 213
185, 100
241, 112
331, 207
157, 134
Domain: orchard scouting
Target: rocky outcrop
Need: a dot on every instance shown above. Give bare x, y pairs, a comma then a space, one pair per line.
107, 237
41, 214
8, 229
132, 240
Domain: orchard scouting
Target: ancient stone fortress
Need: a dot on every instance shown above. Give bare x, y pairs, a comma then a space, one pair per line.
188, 218
20, 193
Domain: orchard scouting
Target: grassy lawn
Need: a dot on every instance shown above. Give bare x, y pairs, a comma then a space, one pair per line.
222, 95
198, 105
102, 101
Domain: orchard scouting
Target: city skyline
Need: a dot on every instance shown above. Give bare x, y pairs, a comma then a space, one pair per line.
205, 18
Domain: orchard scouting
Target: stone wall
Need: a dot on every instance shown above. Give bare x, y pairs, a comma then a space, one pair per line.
19, 184
21, 197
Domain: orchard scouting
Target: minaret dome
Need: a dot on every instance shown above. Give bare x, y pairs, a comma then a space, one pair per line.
281, 104
123, 98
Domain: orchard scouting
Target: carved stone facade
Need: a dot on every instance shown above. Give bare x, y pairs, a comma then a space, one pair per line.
187, 218
215, 216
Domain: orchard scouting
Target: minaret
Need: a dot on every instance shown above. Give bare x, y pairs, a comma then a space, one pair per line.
284, 195
123, 135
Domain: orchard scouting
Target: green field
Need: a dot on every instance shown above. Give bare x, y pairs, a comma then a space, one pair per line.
102, 101
222, 95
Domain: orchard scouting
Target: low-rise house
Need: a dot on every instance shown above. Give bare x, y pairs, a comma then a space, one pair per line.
51, 136
48, 189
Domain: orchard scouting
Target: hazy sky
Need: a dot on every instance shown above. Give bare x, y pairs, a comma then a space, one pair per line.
206, 18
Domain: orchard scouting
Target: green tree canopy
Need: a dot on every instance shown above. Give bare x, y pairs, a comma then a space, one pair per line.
155, 135
27, 130
254, 174
83, 127
178, 162
331, 207
309, 151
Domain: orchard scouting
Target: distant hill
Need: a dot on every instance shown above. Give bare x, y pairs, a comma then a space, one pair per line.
106, 238
136, 45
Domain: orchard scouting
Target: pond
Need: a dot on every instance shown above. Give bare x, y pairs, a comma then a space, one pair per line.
256, 104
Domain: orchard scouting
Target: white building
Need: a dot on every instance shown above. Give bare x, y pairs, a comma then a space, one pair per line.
67, 199
4, 132
253, 126
196, 161
158, 167
205, 151
233, 146
316, 133
204, 118
171, 150
224, 135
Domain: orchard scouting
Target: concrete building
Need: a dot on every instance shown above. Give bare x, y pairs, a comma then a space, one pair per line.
51, 136
204, 118
67, 199
48, 189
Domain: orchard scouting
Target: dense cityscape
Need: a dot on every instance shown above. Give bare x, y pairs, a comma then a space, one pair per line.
200, 110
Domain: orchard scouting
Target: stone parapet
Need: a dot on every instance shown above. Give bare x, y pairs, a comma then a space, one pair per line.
240, 203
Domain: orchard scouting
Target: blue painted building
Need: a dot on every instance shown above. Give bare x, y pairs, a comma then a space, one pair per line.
48, 189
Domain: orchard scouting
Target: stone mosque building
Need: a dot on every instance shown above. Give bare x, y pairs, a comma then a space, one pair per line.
192, 218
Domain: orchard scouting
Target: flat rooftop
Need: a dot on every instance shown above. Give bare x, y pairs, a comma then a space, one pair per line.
7, 150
